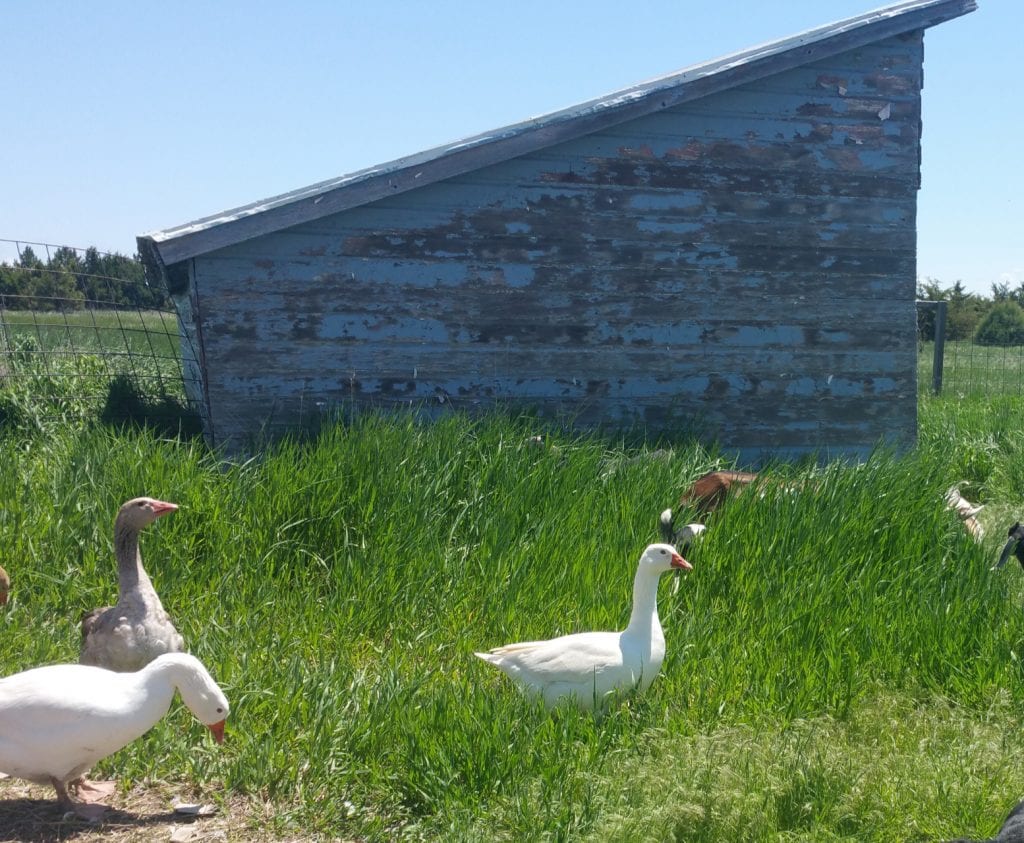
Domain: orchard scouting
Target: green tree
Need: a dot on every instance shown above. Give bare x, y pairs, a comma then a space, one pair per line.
965, 312
28, 259
1001, 291
1004, 325
70, 279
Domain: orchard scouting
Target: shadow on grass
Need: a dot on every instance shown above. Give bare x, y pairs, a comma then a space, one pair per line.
127, 406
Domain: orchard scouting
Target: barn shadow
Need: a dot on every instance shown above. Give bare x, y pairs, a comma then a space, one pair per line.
127, 406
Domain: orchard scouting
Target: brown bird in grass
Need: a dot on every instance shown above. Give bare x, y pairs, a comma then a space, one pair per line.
128, 636
707, 493
5, 586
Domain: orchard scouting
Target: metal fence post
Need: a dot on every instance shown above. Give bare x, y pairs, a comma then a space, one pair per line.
940, 346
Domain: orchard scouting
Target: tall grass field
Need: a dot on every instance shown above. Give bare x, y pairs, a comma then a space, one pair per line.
842, 664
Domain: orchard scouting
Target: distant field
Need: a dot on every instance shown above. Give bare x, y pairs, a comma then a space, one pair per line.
151, 333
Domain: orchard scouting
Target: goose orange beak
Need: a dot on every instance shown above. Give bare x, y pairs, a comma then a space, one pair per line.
163, 508
218, 731
679, 562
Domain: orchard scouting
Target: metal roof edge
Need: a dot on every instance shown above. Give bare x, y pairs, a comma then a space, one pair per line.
338, 194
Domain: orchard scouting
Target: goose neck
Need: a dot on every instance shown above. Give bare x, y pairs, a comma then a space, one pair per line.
158, 683
644, 617
130, 573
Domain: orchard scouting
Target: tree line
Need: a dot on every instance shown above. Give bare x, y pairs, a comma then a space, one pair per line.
995, 320
70, 279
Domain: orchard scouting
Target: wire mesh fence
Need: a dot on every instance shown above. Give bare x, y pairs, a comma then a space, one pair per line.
77, 341
970, 369
964, 367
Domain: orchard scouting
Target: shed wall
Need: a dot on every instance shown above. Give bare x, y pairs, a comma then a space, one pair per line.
745, 261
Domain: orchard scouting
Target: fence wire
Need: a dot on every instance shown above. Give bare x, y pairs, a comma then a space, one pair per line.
968, 368
79, 343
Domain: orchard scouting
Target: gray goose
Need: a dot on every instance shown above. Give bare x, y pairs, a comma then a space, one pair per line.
128, 636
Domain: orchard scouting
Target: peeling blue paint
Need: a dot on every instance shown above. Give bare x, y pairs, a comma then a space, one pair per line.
746, 259
656, 227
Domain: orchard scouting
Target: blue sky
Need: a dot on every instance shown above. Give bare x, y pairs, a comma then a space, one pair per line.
126, 117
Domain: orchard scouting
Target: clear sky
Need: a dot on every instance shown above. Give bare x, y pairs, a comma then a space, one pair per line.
126, 117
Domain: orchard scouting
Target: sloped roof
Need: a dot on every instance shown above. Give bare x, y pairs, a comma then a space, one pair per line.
339, 194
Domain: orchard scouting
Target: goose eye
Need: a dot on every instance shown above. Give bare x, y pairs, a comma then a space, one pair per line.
220, 710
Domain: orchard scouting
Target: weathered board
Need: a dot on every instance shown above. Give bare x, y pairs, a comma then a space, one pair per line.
742, 262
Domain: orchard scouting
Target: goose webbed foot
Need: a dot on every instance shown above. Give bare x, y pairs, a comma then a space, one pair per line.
92, 792
89, 808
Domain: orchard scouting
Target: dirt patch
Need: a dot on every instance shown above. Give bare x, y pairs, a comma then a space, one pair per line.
30, 814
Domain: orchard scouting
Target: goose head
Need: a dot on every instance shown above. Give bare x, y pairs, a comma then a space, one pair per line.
138, 512
1014, 545
660, 558
5, 586
199, 692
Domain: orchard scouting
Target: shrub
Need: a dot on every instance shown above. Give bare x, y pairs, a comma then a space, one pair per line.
1004, 325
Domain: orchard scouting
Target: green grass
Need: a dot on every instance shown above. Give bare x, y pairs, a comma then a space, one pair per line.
841, 664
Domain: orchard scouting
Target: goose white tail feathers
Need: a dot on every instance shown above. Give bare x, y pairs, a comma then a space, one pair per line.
665, 525
681, 538
957, 502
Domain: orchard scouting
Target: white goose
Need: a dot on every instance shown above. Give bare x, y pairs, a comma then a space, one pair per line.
588, 666
56, 722
128, 636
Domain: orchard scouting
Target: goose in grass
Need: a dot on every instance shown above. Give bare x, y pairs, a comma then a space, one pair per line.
1014, 545
588, 666
5, 586
128, 636
56, 722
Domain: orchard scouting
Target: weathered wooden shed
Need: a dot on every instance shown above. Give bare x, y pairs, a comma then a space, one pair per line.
731, 246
